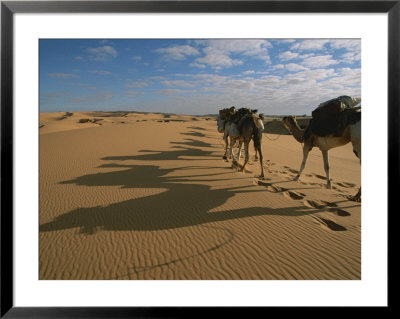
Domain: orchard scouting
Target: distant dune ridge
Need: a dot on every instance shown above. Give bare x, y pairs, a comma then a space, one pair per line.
128, 195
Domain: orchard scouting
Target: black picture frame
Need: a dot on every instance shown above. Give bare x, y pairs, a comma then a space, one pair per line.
9, 8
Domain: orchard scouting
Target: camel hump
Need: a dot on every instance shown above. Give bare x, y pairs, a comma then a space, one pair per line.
226, 114
244, 113
332, 107
328, 109
334, 124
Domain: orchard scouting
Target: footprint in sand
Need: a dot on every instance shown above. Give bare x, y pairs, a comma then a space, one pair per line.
293, 195
330, 204
330, 224
291, 170
316, 184
345, 184
339, 212
272, 188
343, 195
275, 189
283, 173
315, 204
319, 204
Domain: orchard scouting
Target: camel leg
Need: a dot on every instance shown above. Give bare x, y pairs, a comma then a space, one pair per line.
226, 151
232, 143
246, 151
255, 156
225, 138
240, 149
356, 141
306, 151
261, 160
326, 167
234, 160
357, 197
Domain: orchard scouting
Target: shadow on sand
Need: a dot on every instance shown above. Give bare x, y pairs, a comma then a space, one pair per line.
184, 201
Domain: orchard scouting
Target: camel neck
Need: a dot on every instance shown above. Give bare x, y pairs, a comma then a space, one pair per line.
296, 131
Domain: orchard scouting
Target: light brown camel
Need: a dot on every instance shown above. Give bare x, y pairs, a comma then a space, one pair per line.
249, 125
349, 131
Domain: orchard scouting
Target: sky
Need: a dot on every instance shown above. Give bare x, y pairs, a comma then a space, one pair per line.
196, 76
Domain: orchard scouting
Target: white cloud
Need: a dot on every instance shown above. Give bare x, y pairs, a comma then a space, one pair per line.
348, 44
268, 80
170, 92
347, 77
313, 75
239, 84
351, 57
210, 78
178, 52
219, 53
62, 75
86, 86
277, 67
137, 84
92, 98
293, 67
133, 93
100, 72
181, 83
288, 55
218, 59
103, 53
319, 61
197, 65
304, 45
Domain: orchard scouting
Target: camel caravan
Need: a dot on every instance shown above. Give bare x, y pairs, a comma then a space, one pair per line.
334, 123
241, 125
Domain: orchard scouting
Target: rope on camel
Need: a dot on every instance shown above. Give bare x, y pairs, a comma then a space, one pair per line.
272, 139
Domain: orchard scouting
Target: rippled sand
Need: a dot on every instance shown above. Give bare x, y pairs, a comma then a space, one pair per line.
148, 196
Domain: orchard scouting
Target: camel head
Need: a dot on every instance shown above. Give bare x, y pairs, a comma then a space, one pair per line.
289, 121
221, 125
225, 114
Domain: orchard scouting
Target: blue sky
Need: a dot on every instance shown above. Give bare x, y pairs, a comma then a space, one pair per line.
198, 76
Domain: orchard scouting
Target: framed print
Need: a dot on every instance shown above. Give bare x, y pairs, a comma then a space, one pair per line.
125, 189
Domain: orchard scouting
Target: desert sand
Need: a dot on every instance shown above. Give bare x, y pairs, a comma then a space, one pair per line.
148, 196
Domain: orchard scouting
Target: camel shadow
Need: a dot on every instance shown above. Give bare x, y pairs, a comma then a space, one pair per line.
181, 203
197, 128
179, 153
194, 143
196, 134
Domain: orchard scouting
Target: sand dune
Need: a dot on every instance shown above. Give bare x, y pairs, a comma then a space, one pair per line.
148, 196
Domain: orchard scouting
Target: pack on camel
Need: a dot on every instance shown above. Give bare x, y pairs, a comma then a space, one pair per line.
241, 125
334, 123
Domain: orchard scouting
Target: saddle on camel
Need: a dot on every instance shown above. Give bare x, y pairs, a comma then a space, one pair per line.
333, 116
